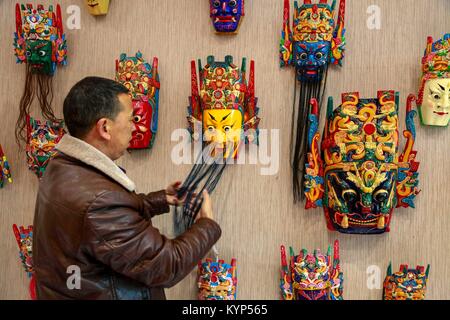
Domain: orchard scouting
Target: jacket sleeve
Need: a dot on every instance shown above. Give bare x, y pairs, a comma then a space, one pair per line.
118, 236
154, 203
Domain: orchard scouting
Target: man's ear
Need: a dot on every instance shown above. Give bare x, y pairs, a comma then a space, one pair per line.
103, 128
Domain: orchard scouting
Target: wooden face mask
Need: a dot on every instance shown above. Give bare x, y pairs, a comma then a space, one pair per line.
311, 276
217, 280
434, 94
39, 39
227, 15
316, 41
42, 138
98, 7
407, 284
5, 172
142, 81
360, 177
225, 108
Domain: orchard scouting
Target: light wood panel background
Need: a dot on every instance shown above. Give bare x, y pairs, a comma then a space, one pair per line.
256, 212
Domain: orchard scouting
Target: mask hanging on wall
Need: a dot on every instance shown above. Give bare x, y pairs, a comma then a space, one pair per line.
434, 94
360, 177
142, 80
5, 172
98, 7
407, 284
39, 41
316, 41
217, 280
311, 276
42, 138
227, 15
24, 238
222, 116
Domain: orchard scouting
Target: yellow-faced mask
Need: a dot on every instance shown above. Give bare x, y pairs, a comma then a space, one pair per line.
224, 106
98, 7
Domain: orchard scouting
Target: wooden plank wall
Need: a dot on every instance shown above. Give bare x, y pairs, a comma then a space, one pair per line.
256, 212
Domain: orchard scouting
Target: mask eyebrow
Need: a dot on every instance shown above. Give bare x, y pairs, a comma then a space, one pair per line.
224, 118
212, 117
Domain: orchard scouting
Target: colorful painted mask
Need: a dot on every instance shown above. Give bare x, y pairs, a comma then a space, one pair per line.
360, 177
5, 172
98, 7
407, 284
142, 80
311, 276
39, 38
39, 41
227, 15
316, 41
222, 115
217, 280
41, 142
434, 94
24, 238
225, 108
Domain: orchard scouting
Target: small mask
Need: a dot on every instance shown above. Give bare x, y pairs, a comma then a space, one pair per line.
407, 284
24, 238
217, 280
227, 15
434, 94
42, 138
5, 172
98, 7
142, 81
311, 276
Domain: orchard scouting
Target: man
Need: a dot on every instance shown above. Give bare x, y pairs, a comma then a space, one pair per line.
89, 218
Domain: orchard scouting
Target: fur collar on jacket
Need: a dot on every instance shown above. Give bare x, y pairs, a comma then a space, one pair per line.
89, 155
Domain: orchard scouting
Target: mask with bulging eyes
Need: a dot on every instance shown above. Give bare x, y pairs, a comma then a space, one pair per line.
311, 276
217, 280
433, 101
316, 41
226, 15
360, 177
142, 81
406, 284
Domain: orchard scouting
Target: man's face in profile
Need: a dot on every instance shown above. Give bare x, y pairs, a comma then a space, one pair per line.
122, 127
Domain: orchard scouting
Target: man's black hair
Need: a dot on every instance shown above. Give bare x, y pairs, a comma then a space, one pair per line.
90, 100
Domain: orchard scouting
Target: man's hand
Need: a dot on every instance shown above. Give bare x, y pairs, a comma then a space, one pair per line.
171, 194
206, 210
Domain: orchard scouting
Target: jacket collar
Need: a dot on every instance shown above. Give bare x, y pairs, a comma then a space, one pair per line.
91, 156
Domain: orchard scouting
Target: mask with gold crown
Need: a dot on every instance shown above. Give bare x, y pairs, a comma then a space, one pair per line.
217, 280
407, 284
360, 177
317, 40
227, 15
5, 172
311, 276
223, 115
142, 81
39, 41
24, 238
434, 94
98, 7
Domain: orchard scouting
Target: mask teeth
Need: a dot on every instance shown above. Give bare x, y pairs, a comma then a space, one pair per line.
381, 223
344, 222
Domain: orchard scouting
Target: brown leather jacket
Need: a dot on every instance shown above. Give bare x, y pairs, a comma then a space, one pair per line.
88, 216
